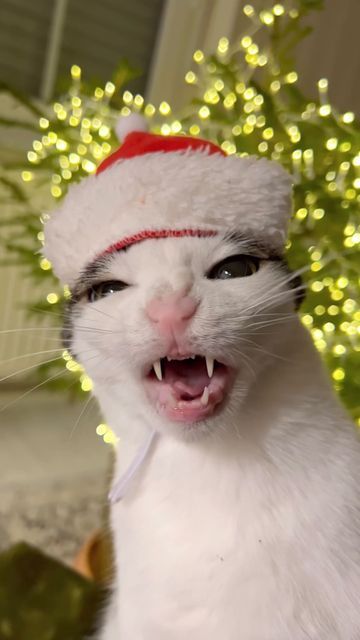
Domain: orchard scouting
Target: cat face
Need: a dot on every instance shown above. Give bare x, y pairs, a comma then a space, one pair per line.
180, 328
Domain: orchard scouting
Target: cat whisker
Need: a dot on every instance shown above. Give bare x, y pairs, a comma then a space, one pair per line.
26, 329
53, 377
63, 372
261, 349
84, 408
30, 355
37, 364
63, 315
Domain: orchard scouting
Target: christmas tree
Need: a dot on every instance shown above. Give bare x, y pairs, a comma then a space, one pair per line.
245, 97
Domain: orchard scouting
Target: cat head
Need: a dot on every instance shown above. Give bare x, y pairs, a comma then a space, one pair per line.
178, 283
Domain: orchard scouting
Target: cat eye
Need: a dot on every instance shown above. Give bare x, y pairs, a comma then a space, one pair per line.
98, 291
238, 266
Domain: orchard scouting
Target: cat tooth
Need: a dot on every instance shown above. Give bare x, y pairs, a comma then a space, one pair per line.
157, 369
210, 366
205, 396
168, 358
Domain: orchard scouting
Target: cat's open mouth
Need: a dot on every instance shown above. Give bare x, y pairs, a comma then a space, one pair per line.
187, 389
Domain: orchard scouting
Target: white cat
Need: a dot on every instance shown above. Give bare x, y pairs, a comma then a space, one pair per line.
242, 522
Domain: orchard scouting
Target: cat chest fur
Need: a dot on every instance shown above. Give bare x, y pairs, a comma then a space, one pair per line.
196, 550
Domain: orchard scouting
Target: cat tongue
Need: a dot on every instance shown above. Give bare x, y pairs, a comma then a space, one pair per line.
186, 393
187, 376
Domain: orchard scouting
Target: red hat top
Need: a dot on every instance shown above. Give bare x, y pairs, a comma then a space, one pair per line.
138, 142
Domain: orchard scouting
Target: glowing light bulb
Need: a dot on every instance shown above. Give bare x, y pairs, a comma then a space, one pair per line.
249, 10
165, 129
149, 110
190, 77
110, 89
204, 112
348, 117
331, 144
325, 110
164, 108
268, 133
275, 86
278, 10
338, 374
27, 176
45, 264
199, 56
323, 84
223, 45
266, 17
86, 383
246, 42
75, 72
128, 97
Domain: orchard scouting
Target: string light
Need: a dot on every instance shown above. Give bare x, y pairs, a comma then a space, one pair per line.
244, 117
325, 110
105, 432
164, 108
249, 10
348, 117
190, 77
204, 112
278, 10
199, 56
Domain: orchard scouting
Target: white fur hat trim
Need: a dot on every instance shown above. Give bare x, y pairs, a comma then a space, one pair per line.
173, 190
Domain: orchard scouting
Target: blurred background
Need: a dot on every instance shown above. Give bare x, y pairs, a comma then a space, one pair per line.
279, 80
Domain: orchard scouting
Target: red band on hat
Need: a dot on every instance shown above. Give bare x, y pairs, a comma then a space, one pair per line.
159, 233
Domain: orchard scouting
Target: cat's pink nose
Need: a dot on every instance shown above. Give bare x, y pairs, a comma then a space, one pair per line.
171, 313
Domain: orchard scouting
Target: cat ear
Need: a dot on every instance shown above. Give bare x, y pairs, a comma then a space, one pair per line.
129, 124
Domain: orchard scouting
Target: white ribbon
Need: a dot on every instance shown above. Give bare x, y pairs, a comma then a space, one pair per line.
121, 486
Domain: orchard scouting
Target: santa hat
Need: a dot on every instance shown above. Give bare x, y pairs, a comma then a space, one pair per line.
159, 186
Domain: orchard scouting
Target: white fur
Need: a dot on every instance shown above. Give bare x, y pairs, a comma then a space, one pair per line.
247, 526
167, 190
130, 123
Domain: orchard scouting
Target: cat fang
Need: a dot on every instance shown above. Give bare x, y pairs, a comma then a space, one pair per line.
188, 389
